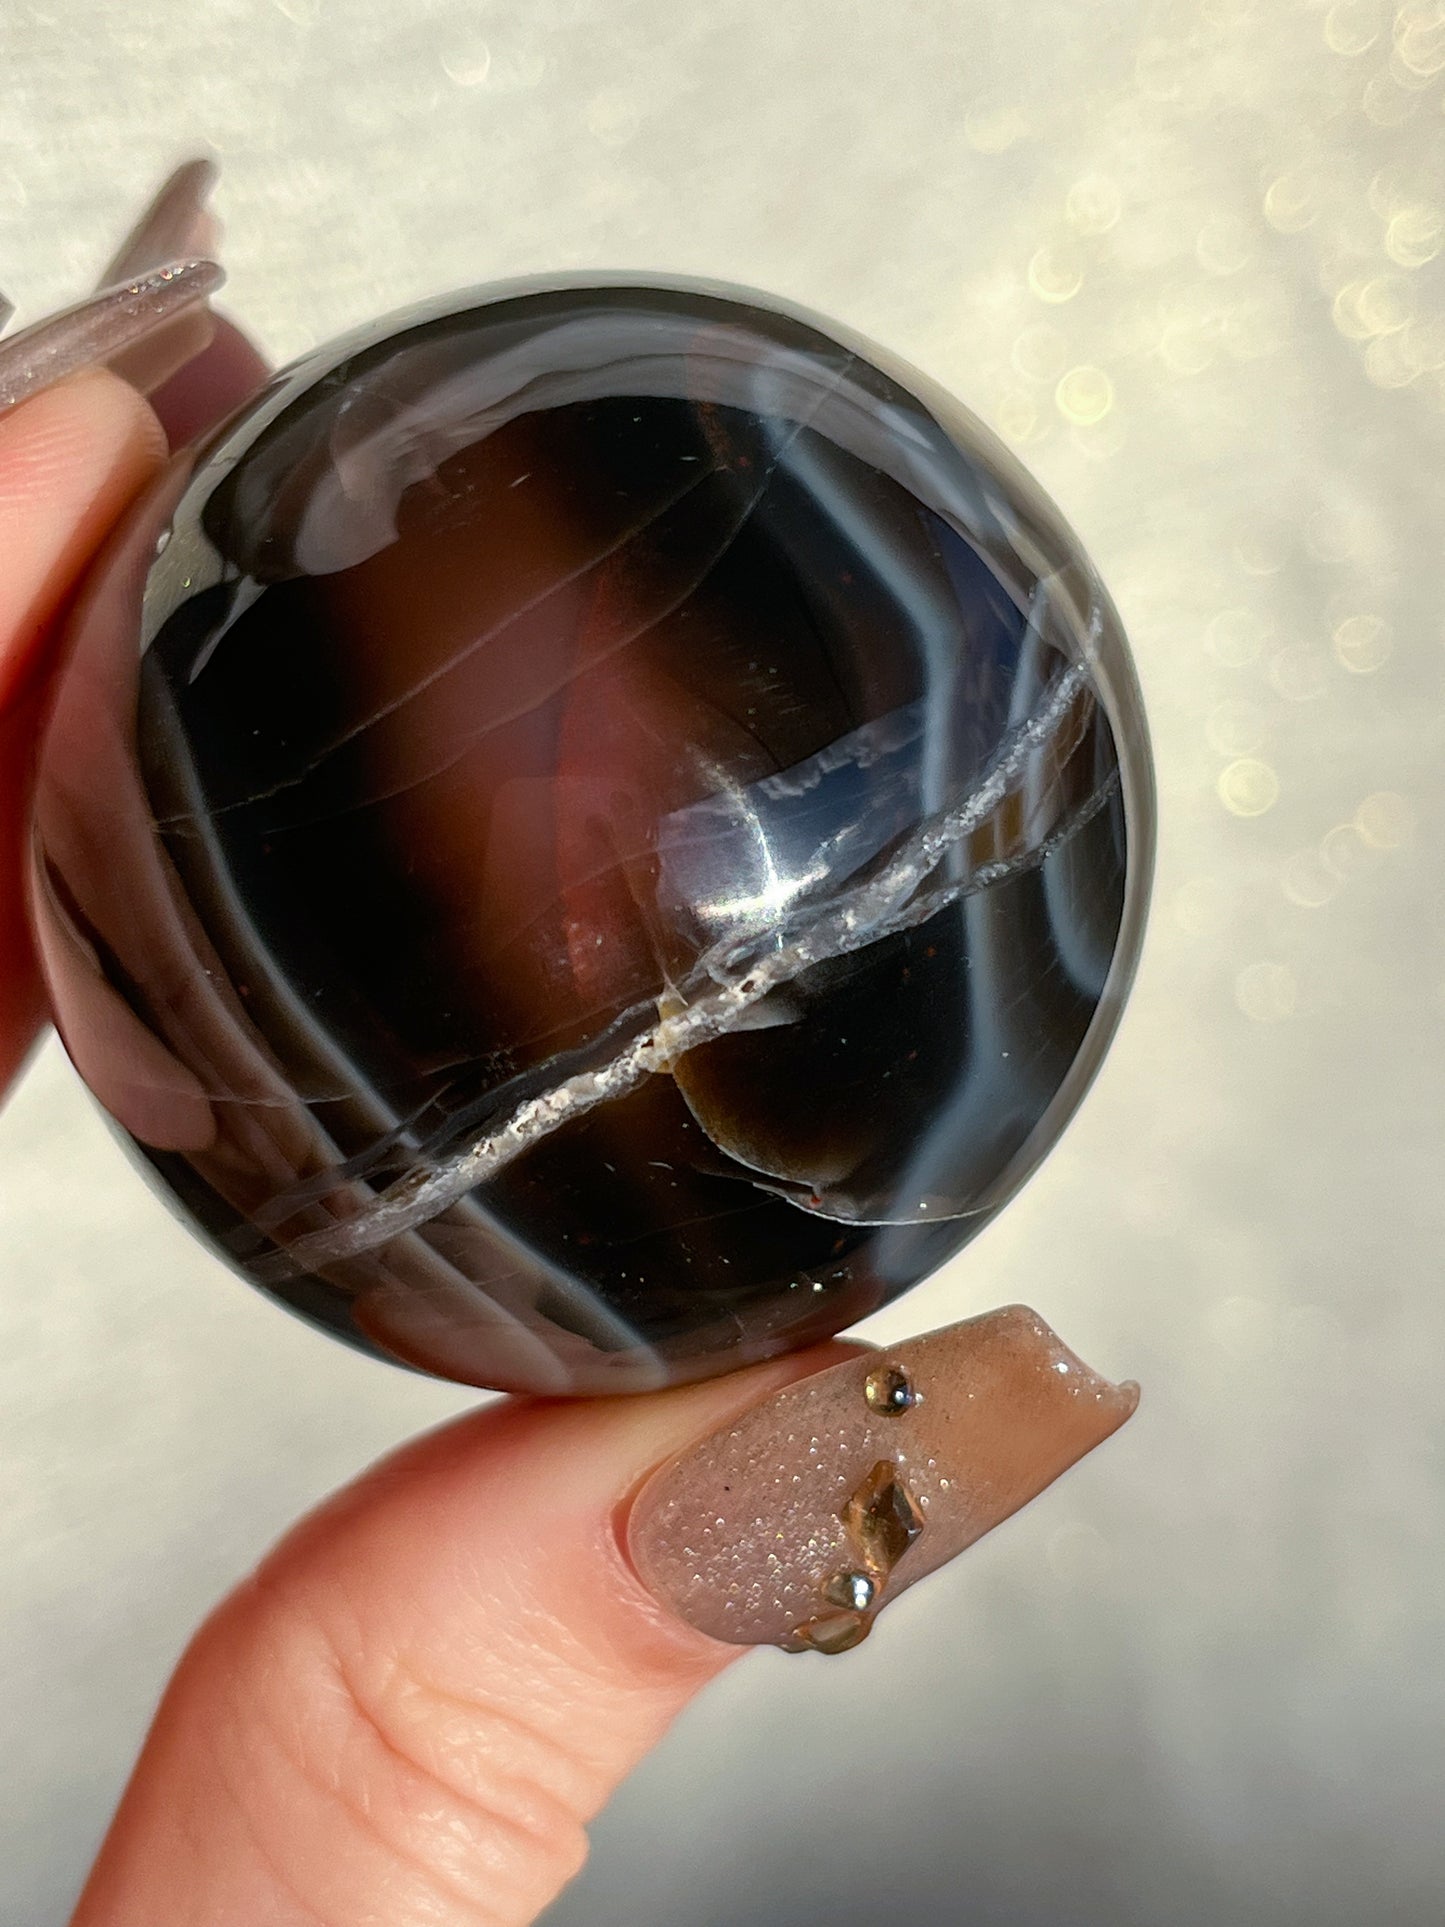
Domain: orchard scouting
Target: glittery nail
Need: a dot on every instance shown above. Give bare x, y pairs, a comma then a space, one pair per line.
103, 329
797, 1522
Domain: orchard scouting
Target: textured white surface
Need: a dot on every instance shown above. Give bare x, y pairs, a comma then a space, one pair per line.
1184, 255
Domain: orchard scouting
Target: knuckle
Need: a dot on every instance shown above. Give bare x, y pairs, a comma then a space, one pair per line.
457, 1809
515, 1790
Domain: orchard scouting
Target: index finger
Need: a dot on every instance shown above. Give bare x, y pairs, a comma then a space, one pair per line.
72, 456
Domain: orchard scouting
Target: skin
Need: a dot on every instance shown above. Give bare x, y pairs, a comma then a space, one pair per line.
413, 1708
409, 1713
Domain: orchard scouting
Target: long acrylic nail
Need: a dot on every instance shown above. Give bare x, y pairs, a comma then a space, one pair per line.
176, 226
102, 329
795, 1524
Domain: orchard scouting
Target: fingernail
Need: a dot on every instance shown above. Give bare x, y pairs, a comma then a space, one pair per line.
176, 226
797, 1522
102, 329
7, 308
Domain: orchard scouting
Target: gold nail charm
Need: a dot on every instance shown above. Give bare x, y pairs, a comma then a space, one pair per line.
889, 1391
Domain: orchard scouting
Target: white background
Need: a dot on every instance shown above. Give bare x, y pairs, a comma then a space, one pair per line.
1184, 256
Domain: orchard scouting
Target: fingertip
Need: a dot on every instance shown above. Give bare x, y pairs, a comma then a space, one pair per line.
71, 458
93, 414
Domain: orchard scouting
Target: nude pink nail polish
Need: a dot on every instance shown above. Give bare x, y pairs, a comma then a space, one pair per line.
796, 1523
104, 329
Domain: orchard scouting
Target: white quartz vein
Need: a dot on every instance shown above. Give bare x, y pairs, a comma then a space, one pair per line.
910, 887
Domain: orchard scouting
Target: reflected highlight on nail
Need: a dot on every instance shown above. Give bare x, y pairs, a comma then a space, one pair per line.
103, 329
795, 1524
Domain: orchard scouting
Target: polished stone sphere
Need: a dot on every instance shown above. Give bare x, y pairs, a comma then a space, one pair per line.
594, 834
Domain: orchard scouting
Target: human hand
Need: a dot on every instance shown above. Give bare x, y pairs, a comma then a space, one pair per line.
413, 1709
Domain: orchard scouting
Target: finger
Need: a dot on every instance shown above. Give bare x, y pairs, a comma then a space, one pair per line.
70, 460
412, 1711
174, 224
223, 376
76, 444
200, 389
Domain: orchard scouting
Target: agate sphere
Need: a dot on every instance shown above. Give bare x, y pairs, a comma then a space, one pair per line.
593, 834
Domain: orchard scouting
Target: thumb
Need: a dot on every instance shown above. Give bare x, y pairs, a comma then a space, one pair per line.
413, 1709
70, 460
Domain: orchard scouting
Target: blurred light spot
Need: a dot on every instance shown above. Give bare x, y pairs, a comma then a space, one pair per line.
992, 127
1370, 310
1291, 202
1346, 313
1056, 274
1040, 352
1385, 820
1200, 906
1344, 850
1017, 417
1410, 79
1092, 205
1298, 673
1235, 728
1385, 304
1266, 992
1084, 395
1248, 787
304, 13
1351, 26
1420, 40
1386, 104
1363, 643
469, 65
1414, 235
1223, 246
1308, 881
1235, 637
